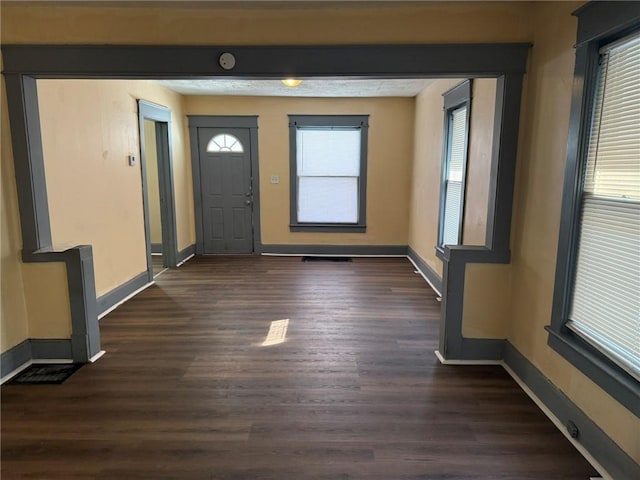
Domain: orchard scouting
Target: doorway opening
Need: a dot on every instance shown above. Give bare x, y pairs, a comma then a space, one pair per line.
154, 123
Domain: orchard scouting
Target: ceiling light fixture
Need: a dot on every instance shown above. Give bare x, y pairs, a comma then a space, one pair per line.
291, 82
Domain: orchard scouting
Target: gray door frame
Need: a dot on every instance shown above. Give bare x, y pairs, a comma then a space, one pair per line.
249, 122
161, 116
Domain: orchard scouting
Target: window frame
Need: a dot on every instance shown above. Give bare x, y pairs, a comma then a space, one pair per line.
599, 24
454, 99
352, 121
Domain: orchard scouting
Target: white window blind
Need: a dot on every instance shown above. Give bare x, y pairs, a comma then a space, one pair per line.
605, 307
453, 179
328, 167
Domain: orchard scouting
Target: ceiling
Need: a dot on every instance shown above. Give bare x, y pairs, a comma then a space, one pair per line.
311, 87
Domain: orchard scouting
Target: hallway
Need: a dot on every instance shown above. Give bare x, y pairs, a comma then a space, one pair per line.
348, 388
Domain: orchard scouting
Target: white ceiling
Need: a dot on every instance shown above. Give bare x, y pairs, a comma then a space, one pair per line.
311, 87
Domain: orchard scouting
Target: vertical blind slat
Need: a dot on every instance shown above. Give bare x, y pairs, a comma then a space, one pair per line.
453, 182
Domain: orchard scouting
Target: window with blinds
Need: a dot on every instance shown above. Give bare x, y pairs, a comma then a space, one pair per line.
328, 167
454, 176
605, 303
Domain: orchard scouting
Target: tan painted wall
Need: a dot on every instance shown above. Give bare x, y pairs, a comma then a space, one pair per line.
537, 218
89, 127
48, 310
427, 167
487, 301
153, 186
388, 162
304, 24
479, 161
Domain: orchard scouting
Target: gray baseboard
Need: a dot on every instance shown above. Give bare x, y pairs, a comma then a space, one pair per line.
156, 248
426, 270
15, 357
51, 348
108, 300
604, 450
185, 253
35, 349
400, 250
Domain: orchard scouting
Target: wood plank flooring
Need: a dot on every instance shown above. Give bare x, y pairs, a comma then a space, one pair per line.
187, 391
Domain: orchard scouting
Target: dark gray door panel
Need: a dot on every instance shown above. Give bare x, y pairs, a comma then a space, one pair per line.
225, 178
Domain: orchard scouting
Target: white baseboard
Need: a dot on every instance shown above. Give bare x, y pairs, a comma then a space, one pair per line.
425, 278
466, 362
185, 260
97, 356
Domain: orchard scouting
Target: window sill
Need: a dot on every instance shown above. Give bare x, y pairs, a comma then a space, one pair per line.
327, 228
606, 374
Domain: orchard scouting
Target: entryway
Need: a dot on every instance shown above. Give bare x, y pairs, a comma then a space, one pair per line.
157, 186
226, 185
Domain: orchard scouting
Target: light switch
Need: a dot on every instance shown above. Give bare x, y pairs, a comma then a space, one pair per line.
132, 161
275, 179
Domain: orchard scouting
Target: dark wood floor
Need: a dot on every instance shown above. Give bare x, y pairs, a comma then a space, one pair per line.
157, 264
187, 391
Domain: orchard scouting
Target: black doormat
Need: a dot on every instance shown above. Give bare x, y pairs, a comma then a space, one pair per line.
45, 374
326, 259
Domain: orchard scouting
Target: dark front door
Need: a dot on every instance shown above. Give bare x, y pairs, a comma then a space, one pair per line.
225, 177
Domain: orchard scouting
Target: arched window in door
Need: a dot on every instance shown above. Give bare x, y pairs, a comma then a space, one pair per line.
224, 143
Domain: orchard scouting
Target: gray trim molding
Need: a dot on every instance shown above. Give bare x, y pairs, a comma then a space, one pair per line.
15, 357
118, 294
615, 461
428, 272
85, 333
35, 349
223, 121
51, 348
185, 253
24, 118
598, 24
137, 61
600, 19
161, 116
249, 122
328, 122
399, 250
453, 346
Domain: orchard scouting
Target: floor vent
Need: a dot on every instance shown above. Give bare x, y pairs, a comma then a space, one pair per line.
326, 259
45, 374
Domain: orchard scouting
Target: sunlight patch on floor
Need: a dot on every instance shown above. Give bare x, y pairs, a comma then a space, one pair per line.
277, 332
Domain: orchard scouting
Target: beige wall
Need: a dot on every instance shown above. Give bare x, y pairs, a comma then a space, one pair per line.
153, 186
476, 201
89, 128
542, 151
388, 162
290, 25
427, 167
